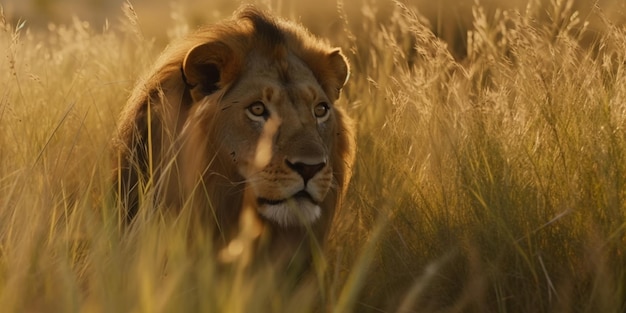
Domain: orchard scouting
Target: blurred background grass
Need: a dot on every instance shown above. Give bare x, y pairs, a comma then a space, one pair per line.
491, 172
448, 19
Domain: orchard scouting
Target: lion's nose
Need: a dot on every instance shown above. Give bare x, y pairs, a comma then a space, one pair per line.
306, 170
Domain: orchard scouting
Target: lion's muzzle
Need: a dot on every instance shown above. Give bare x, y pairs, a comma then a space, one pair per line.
300, 209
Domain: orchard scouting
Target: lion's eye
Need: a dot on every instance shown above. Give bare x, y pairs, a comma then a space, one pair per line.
258, 109
321, 110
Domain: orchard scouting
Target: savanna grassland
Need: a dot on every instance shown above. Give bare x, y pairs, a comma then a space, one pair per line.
488, 179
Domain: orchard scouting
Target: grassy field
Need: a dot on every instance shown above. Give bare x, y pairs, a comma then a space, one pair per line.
495, 182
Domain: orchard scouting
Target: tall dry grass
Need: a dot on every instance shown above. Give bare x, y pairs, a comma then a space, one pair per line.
492, 184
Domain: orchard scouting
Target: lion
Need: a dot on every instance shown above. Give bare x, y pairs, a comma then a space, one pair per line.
241, 114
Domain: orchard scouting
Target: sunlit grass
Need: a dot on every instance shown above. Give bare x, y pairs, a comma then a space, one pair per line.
496, 183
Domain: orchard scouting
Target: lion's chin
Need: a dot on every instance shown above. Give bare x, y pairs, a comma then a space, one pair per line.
295, 211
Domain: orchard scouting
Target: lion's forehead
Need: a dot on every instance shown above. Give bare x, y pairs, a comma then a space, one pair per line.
299, 93
288, 77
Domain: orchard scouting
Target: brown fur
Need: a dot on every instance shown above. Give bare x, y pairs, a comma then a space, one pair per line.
184, 137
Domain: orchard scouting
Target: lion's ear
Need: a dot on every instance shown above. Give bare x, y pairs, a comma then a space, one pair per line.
209, 66
337, 74
339, 62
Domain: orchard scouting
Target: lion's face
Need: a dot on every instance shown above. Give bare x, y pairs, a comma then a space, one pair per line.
241, 115
279, 135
